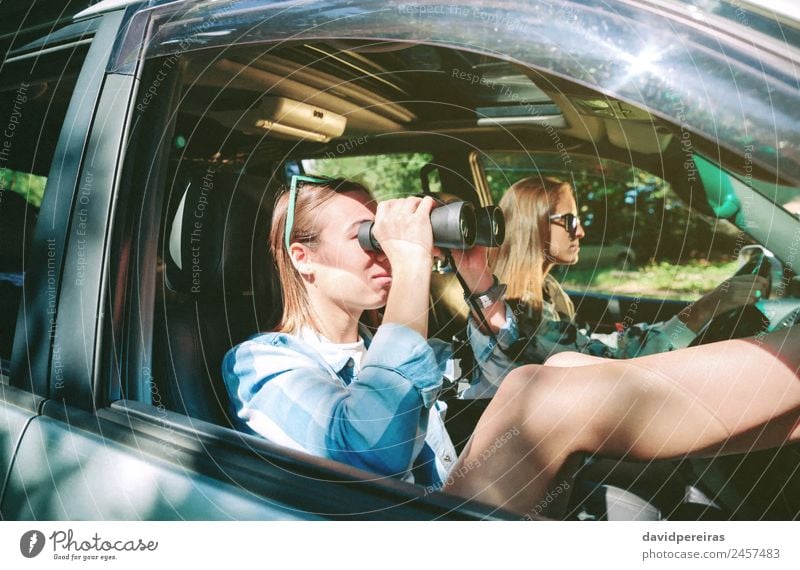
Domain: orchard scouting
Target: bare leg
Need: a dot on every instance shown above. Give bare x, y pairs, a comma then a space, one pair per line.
728, 397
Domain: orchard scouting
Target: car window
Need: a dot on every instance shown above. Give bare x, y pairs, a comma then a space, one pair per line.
641, 238
787, 197
35, 91
386, 175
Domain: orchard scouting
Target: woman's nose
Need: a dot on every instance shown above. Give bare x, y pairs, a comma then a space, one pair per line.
580, 234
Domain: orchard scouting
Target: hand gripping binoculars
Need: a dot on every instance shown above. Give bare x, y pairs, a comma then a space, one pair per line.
456, 225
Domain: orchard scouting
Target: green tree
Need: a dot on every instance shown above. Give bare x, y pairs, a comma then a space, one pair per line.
29, 186
385, 175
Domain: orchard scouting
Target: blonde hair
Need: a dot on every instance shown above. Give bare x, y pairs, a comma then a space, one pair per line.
297, 309
522, 261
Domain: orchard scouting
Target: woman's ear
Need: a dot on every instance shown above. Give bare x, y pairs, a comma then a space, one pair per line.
301, 259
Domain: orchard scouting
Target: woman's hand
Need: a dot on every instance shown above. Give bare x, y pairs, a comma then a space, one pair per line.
473, 265
403, 229
731, 294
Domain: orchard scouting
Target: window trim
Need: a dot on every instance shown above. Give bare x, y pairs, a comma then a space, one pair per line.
68, 37
32, 366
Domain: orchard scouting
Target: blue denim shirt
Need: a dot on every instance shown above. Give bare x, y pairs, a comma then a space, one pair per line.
302, 392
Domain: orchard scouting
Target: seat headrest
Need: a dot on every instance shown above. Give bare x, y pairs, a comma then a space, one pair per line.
218, 241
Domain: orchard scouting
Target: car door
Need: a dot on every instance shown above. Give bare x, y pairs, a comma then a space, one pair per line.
37, 174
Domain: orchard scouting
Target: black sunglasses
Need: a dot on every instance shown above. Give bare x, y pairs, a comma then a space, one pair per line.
570, 223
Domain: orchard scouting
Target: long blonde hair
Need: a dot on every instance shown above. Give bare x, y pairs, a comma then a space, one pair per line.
297, 309
522, 261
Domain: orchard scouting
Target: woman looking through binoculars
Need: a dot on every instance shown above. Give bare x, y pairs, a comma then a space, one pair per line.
323, 384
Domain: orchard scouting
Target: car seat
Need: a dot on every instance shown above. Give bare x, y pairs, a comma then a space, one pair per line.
218, 288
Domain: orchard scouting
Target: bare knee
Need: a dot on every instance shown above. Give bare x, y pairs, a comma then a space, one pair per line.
519, 382
552, 405
523, 440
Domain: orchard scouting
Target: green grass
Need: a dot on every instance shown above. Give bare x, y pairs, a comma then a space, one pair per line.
664, 280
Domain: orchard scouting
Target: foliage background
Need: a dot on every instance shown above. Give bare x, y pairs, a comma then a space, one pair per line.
386, 176
29, 186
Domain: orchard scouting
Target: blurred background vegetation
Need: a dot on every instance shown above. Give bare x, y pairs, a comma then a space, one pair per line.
29, 186
687, 281
386, 175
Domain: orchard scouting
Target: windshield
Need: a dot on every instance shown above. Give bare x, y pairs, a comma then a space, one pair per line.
787, 197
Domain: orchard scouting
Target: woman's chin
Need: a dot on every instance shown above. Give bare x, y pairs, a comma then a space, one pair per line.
376, 301
567, 261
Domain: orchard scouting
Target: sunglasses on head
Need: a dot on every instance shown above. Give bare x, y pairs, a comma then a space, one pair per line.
570, 222
297, 181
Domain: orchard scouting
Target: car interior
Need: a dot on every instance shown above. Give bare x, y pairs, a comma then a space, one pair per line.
247, 117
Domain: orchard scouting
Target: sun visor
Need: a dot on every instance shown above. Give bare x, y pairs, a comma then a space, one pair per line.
285, 118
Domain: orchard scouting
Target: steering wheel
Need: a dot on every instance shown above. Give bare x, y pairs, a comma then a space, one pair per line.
758, 264
736, 323
741, 322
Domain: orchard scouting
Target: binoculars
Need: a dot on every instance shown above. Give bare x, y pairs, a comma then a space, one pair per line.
457, 225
